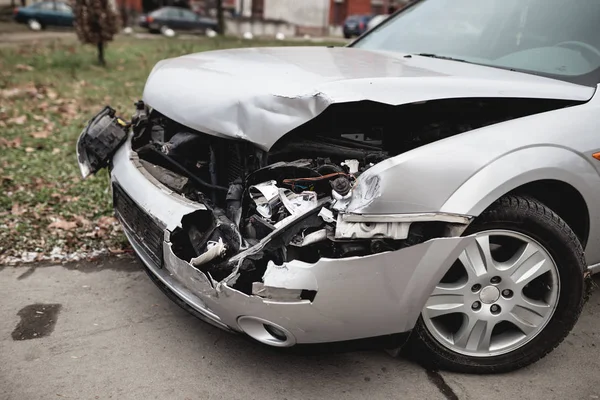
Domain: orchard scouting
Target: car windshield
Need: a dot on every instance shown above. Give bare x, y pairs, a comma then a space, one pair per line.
555, 38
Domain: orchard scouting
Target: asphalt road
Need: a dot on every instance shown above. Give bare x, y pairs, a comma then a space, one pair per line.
103, 330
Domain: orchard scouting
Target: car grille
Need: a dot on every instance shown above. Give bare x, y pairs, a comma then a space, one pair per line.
142, 228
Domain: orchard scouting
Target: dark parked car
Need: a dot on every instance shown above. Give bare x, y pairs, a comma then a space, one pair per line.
178, 19
356, 25
47, 13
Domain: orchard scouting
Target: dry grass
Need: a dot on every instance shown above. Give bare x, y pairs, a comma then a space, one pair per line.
47, 93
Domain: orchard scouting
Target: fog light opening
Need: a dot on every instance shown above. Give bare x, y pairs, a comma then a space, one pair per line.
275, 332
266, 332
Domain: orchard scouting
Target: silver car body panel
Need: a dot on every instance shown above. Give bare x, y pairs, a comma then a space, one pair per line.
466, 173
140, 183
388, 289
261, 94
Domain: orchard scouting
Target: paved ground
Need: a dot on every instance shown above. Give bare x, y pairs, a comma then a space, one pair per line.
115, 335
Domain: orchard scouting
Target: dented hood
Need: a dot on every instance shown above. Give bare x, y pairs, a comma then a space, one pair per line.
260, 94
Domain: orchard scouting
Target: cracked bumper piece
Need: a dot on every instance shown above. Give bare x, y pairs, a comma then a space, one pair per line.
356, 297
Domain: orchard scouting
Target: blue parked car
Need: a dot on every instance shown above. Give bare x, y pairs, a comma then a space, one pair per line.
46, 13
356, 25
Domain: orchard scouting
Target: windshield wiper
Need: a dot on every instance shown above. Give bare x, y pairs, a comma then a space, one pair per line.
440, 57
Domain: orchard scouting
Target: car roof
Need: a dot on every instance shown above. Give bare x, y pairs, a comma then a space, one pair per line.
49, 2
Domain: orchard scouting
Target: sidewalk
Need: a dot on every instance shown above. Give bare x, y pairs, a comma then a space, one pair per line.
113, 333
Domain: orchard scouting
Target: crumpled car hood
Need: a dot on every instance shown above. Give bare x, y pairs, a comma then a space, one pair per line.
260, 94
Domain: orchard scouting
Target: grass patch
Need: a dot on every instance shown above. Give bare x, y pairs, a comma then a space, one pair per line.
47, 94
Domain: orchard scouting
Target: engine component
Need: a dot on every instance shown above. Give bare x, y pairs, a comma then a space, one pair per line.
352, 165
214, 250
311, 238
265, 195
297, 203
327, 215
341, 185
165, 176
371, 230
234, 202
257, 227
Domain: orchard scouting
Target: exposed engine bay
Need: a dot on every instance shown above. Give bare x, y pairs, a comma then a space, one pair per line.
286, 198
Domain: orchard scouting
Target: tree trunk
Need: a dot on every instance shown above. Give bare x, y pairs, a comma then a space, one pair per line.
23, 3
220, 17
12, 4
101, 59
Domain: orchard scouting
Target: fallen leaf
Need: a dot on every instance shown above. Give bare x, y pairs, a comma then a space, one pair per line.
67, 112
17, 209
23, 67
15, 143
55, 150
41, 134
51, 94
83, 221
41, 118
10, 93
29, 149
106, 221
62, 224
20, 120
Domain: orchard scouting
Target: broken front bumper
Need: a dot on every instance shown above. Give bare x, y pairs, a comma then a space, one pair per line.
356, 297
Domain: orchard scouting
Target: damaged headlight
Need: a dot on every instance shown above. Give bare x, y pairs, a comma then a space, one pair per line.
99, 141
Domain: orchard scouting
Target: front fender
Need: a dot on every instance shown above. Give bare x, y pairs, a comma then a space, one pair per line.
530, 165
519, 168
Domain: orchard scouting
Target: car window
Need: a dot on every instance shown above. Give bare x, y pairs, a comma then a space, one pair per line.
174, 13
554, 38
63, 7
46, 6
162, 13
189, 15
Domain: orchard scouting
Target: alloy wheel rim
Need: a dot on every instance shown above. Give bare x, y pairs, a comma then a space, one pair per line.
498, 296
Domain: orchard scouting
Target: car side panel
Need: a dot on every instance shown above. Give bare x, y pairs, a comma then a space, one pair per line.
529, 165
466, 173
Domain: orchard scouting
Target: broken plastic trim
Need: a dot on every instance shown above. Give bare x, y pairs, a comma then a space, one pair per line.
418, 217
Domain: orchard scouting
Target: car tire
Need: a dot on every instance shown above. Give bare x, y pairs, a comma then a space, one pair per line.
523, 217
166, 31
347, 35
34, 24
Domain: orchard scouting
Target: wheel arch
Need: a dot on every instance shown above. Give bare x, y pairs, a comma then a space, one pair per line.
565, 200
561, 179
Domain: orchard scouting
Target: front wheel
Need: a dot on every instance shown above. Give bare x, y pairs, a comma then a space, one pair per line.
511, 297
34, 24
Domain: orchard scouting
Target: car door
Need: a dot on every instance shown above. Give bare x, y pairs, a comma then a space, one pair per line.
45, 13
178, 21
65, 15
189, 20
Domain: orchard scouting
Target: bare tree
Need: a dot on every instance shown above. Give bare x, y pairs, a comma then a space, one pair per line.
96, 22
220, 17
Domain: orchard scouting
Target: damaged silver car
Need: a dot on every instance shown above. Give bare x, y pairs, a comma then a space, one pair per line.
438, 177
